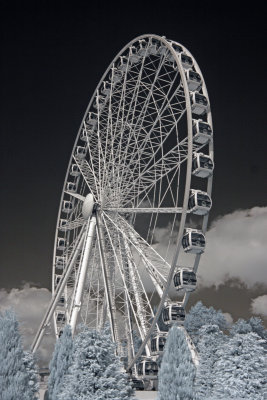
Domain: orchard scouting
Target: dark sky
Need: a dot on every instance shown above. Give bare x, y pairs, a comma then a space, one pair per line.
52, 57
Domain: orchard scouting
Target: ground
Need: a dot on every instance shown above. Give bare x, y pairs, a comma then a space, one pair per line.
140, 395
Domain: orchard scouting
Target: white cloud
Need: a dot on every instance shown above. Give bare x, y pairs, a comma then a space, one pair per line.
29, 304
259, 305
236, 248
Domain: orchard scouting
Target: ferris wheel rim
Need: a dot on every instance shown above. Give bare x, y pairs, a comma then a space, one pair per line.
184, 210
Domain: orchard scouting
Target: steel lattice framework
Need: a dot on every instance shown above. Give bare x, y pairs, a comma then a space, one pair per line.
129, 175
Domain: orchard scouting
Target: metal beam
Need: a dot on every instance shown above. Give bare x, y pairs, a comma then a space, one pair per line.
89, 236
57, 294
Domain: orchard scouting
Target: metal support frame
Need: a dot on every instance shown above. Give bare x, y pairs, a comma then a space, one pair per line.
110, 297
57, 294
88, 243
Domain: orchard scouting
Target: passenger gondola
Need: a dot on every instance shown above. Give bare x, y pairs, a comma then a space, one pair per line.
67, 206
173, 313
61, 244
61, 317
115, 75
142, 48
199, 103
61, 301
202, 131
57, 279
60, 262
71, 187
137, 384
152, 48
193, 241
147, 368
80, 152
185, 279
202, 165
199, 202
75, 170
157, 343
106, 89
62, 224
186, 60
123, 65
100, 102
194, 80
91, 120
133, 56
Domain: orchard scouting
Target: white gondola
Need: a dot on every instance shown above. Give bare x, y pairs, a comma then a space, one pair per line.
199, 103
75, 171
80, 152
142, 50
185, 279
63, 224
60, 262
133, 56
186, 61
71, 187
157, 343
67, 206
61, 301
152, 48
106, 89
122, 66
173, 313
202, 132
199, 202
163, 50
100, 102
60, 316
193, 241
147, 368
194, 80
83, 135
57, 279
61, 244
178, 49
91, 120
202, 165
115, 75
137, 384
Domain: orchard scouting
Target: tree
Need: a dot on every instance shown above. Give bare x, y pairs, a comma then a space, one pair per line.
96, 372
240, 368
17, 380
177, 372
61, 360
31, 369
258, 327
211, 338
240, 326
198, 316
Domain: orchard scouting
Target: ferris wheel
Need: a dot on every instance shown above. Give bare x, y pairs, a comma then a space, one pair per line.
142, 163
